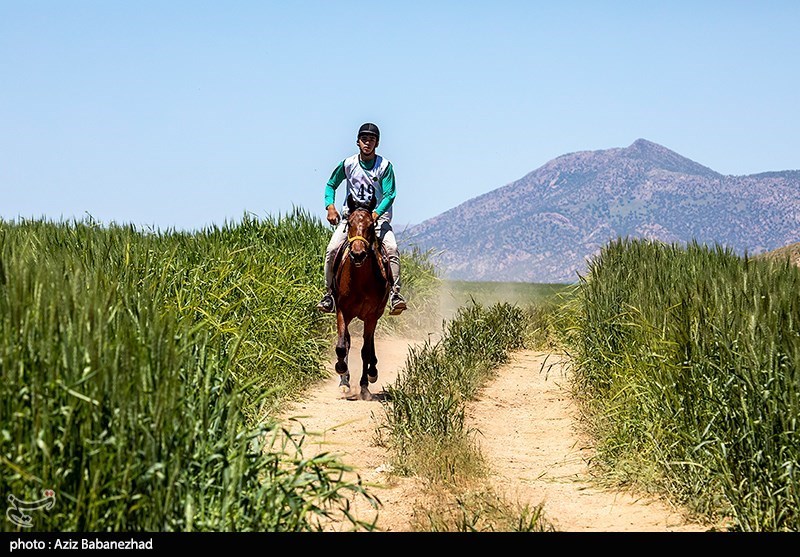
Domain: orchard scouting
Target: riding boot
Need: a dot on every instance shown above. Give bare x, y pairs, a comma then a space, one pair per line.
396, 302
327, 305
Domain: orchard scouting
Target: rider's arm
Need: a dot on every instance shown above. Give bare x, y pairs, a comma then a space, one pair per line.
389, 191
337, 177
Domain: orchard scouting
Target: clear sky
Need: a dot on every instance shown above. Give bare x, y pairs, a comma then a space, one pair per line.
181, 114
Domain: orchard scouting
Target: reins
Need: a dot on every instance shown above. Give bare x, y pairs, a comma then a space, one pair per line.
374, 248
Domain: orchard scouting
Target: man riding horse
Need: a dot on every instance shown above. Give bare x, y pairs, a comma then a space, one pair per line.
370, 179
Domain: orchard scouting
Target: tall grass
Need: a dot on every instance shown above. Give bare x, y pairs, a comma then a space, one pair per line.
140, 371
439, 377
137, 366
425, 427
688, 360
420, 287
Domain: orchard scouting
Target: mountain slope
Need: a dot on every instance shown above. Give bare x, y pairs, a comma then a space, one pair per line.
546, 225
790, 252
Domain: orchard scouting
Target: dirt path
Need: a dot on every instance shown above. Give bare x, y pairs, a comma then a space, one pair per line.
526, 420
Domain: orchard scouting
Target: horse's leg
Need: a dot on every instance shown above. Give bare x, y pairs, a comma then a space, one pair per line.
368, 356
342, 351
369, 371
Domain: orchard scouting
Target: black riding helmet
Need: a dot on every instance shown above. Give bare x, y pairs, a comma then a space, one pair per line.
369, 129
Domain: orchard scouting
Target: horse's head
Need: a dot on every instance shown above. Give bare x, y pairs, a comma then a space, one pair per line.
360, 234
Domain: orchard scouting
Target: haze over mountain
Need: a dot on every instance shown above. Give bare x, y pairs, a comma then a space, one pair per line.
545, 226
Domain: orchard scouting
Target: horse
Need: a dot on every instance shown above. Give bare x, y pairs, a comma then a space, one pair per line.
361, 290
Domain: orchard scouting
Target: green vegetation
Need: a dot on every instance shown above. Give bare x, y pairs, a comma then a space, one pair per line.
425, 426
420, 287
685, 366
538, 302
686, 359
522, 294
141, 371
135, 366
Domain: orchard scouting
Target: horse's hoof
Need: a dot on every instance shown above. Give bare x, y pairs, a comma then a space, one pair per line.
372, 378
365, 394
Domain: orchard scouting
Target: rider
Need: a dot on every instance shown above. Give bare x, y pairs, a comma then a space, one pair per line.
368, 176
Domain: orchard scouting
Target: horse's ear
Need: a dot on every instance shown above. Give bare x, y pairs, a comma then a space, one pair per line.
352, 204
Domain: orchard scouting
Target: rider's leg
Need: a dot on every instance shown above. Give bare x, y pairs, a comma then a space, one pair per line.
396, 302
337, 238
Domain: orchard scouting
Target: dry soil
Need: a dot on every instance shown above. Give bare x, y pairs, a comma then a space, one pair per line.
528, 433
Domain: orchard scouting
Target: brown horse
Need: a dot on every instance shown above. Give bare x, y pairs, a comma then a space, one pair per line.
361, 290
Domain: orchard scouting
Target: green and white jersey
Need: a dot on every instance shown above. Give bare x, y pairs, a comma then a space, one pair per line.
365, 181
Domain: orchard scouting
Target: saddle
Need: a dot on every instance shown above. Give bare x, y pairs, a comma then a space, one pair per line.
383, 259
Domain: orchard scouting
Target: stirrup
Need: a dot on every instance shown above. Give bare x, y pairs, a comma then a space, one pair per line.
398, 304
327, 304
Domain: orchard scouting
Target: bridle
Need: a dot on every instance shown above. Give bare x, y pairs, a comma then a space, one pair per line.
352, 239
357, 238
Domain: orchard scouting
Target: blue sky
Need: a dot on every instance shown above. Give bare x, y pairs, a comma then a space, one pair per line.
179, 114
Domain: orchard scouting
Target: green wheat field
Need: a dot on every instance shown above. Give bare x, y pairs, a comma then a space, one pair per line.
141, 371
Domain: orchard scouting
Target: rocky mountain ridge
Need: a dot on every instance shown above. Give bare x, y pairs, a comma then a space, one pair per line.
545, 226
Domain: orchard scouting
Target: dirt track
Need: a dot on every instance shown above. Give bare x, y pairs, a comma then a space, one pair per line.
528, 431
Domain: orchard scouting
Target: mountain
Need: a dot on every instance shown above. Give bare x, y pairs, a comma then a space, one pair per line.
545, 226
790, 252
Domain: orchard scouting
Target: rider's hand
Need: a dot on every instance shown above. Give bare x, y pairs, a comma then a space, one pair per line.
333, 215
